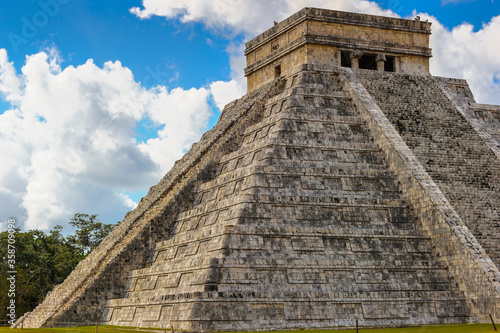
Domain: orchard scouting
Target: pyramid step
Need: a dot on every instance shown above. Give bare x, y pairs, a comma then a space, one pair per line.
311, 92
228, 203
410, 240
336, 163
282, 148
423, 271
276, 176
251, 292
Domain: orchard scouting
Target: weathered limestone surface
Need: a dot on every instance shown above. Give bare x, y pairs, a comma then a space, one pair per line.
304, 226
489, 118
323, 196
469, 264
465, 169
484, 119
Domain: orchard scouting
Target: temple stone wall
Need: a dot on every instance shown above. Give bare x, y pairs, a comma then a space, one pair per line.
489, 117
325, 34
287, 65
483, 118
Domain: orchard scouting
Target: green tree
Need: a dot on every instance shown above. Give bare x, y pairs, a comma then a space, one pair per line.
90, 231
45, 260
42, 261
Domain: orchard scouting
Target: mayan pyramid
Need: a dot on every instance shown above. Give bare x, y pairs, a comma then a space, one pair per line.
347, 184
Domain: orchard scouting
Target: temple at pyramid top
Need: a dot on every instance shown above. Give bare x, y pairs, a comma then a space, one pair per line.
330, 37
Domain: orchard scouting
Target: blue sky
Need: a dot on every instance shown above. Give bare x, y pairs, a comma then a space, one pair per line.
99, 98
106, 30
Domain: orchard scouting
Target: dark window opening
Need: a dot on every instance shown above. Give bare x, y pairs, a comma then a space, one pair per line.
389, 65
277, 71
368, 62
345, 59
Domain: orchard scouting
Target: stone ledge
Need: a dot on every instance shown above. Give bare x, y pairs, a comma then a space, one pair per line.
338, 17
336, 41
484, 107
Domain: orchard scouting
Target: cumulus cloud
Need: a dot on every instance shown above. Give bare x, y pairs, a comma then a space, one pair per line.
188, 113
67, 145
447, 2
460, 53
224, 92
463, 53
10, 84
242, 16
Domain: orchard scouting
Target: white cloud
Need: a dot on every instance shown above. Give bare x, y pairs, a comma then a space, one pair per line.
463, 53
251, 17
224, 92
447, 2
242, 17
460, 53
10, 84
188, 113
68, 144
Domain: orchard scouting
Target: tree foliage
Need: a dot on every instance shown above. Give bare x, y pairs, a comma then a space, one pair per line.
45, 260
89, 232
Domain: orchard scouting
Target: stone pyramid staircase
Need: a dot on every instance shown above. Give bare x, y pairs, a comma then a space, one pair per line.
453, 153
302, 207
304, 225
80, 298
